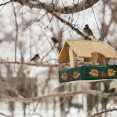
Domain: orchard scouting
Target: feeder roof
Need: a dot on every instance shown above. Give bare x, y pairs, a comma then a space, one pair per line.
85, 49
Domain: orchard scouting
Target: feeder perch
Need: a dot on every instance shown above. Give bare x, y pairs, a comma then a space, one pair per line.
91, 51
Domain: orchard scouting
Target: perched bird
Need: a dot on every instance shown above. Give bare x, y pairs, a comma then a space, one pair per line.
87, 31
35, 58
29, 0
54, 40
76, 105
112, 90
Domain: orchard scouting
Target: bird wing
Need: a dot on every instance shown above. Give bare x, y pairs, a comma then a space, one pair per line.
85, 32
90, 31
33, 58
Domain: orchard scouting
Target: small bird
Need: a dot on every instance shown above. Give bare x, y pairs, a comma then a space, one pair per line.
112, 90
29, 0
76, 105
54, 40
87, 31
35, 58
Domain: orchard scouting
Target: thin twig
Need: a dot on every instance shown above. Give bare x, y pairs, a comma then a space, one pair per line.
48, 41
34, 20
47, 53
100, 113
5, 115
60, 94
10, 88
41, 64
69, 24
51, 7
16, 24
34, 64
4, 3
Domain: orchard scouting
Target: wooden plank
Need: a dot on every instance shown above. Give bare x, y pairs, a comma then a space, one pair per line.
88, 73
94, 58
64, 54
85, 48
101, 59
72, 57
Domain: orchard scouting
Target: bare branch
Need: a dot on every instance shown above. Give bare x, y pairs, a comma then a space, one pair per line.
68, 24
51, 7
5, 3
100, 113
6, 86
34, 64
16, 24
60, 94
66, 94
47, 53
41, 64
35, 20
5, 115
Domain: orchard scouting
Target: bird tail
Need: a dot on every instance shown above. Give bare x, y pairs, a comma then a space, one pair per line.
31, 60
94, 36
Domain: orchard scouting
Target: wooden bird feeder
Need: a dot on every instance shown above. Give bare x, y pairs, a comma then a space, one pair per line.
91, 51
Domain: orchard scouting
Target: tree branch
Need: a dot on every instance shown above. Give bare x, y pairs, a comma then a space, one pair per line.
70, 25
100, 113
34, 64
60, 94
41, 64
16, 24
51, 7
5, 115
4, 3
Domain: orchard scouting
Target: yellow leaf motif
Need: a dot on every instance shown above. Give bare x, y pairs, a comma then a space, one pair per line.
94, 72
76, 74
64, 76
111, 72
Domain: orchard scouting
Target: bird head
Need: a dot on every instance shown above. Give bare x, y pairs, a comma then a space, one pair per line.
86, 25
37, 55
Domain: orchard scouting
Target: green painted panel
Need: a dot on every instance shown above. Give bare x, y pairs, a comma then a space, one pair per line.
88, 73
70, 75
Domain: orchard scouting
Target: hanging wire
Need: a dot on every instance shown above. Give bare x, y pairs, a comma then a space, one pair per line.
97, 24
76, 21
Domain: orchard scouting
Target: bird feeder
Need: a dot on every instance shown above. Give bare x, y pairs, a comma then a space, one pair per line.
91, 51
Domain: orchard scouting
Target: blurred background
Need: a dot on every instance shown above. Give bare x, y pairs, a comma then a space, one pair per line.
31, 90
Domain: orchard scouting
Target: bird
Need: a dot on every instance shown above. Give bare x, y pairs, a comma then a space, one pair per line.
87, 31
30, 0
76, 105
112, 90
35, 58
54, 40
